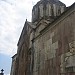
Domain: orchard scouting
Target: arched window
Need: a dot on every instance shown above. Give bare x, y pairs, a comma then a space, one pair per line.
59, 12
41, 10
52, 12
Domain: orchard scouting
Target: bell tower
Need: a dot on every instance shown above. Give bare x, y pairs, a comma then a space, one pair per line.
47, 9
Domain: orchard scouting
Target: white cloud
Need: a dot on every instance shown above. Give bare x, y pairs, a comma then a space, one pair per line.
12, 17
68, 2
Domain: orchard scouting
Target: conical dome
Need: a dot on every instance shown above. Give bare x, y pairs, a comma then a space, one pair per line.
49, 0
47, 9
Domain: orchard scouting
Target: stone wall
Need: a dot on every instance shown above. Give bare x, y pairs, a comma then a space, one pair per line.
55, 48
13, 66
48, 49
23, 53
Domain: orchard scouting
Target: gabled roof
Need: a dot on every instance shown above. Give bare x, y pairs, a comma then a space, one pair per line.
14, 56
27, 23
31, 25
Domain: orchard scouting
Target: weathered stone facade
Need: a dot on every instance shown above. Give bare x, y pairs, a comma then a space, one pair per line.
23, 53
54, 47
13, 66
47, 44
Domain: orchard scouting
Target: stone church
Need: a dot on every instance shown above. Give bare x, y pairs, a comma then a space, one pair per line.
47, 44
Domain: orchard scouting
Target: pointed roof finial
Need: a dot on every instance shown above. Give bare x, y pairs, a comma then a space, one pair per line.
26, 20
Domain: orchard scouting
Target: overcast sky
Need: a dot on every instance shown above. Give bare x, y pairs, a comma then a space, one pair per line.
13, 14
